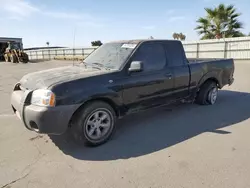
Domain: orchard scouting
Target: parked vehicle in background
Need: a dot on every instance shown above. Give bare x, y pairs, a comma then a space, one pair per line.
117, 79
15, 54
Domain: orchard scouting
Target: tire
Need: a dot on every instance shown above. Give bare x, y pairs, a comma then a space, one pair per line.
6, 58
85, 130
25, 61
25, 58
13, 58
208, 93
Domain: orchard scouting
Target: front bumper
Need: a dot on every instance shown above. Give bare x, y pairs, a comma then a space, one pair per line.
49, 120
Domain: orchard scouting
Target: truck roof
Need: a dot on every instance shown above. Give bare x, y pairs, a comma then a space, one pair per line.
140, 40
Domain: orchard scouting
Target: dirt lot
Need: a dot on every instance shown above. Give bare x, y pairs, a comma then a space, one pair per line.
186, 146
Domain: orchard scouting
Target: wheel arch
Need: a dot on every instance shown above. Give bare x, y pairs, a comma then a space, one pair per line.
211, 80
210, 76
99, 99
202, 92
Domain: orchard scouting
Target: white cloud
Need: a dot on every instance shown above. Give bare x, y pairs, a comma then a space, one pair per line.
176, 18
18, 9
22, 9
173, 16
149, 27
81, 20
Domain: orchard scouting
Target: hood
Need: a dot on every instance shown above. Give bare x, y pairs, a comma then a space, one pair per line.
46, 78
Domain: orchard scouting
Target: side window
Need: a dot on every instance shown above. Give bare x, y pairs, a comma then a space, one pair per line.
175, 53
152, 55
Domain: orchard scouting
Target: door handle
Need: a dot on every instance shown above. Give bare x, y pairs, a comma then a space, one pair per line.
168, 75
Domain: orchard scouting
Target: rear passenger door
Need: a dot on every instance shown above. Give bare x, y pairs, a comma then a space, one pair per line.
153, 85
178, 62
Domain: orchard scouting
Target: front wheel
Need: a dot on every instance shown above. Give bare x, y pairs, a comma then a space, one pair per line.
208, 93
6, 58
94, 124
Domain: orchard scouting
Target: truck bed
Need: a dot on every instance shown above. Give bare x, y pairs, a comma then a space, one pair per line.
199, 60
220, 69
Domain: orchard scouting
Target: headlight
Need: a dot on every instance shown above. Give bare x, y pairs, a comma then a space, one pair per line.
43, 97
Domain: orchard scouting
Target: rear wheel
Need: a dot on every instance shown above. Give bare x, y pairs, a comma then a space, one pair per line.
25, 61
94, 124
25, 58
208, 93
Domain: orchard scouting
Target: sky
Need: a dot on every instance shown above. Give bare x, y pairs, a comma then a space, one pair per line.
58, 22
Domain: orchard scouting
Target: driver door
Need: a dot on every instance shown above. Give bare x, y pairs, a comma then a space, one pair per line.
154, 84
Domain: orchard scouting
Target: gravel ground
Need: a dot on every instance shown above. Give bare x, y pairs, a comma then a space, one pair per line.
183, 146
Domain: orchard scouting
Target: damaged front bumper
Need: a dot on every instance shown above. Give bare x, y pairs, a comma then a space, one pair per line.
49, 120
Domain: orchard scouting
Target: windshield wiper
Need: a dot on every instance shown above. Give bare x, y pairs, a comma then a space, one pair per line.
101, 65
95, 65
98, 64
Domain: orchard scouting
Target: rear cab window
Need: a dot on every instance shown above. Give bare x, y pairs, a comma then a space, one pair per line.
175, 53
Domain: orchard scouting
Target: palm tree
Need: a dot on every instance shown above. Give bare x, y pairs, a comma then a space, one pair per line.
175, 36
220, 21
233, 25
204, 28
182, 36
179, 36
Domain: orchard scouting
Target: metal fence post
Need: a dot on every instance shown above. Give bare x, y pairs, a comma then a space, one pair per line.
225, 49
42, 54
49, 54
197, 50
73, 53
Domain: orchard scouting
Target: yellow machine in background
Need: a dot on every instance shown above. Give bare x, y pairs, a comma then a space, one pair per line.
15, 54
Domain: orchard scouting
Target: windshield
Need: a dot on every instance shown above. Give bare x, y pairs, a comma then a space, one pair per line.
110, 55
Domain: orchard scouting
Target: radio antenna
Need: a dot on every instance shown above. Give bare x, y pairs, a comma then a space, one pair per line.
74, 38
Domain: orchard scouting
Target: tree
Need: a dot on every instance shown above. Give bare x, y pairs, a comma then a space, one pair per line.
222, 21
179, 36
204, 28
182, 36
175, 36
47, 43
96, 43
151, 37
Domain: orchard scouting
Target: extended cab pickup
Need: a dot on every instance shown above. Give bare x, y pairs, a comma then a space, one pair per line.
117, 79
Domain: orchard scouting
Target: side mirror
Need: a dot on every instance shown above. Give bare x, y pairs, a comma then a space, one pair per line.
135, 66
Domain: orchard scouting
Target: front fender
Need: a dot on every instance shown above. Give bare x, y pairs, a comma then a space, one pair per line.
110, 95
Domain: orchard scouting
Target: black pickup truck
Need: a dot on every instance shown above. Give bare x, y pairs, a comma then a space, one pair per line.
117, 79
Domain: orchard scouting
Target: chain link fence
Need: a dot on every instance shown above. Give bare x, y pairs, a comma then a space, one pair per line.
236, 48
